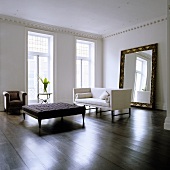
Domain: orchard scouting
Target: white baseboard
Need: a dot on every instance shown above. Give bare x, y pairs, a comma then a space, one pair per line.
160, 106
1, 107
167, 123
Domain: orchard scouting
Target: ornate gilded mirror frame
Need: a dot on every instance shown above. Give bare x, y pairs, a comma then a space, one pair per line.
154, 48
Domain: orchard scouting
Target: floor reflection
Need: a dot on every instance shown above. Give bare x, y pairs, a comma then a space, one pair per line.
140, 124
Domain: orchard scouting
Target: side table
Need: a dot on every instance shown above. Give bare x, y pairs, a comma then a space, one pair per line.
44, 100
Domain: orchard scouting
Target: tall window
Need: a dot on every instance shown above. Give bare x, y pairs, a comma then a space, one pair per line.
40, 61
141, 74
85, 52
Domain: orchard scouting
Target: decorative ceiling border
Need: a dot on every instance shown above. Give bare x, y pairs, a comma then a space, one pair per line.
46, 27
158, 20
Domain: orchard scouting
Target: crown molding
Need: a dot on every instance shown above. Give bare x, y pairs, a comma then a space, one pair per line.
52, 28
46, 27
140, 26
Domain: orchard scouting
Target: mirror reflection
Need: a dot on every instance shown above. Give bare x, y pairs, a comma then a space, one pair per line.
137, 71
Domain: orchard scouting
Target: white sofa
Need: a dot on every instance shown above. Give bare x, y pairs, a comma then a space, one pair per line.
103, 98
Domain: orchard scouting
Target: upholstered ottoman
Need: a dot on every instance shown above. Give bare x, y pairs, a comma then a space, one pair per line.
52, 110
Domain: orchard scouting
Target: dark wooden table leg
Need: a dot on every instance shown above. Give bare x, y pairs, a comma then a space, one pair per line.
83, 115
39, 123
24, 115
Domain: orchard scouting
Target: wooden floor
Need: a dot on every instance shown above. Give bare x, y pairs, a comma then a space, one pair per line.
138, 142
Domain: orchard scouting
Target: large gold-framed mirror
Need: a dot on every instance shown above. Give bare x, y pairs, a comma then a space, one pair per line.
138, 72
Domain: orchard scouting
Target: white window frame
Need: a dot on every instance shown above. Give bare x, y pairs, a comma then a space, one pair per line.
50, 55
90, 59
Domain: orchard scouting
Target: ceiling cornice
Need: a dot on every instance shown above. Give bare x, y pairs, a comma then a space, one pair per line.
52, 28
145, 24
46, 27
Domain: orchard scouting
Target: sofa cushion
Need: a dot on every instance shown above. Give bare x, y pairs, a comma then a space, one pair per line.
93, 101
16, 103
107, 99
104, 95
83, 95
14, 96
97, 92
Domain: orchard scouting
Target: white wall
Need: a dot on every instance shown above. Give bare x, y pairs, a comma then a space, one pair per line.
129, 70
65, 62
12, 58
167, 119
153, 33
13, 62
65, 67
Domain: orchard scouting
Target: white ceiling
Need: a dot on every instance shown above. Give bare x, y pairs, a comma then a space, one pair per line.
94, 16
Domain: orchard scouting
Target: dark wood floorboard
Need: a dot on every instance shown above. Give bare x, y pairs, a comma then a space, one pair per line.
138, 142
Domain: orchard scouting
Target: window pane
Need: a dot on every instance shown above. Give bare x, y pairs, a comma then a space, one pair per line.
78, 65
32, 78
37, 44
85, 73
138, 65
43, 71
138, 81
83, 50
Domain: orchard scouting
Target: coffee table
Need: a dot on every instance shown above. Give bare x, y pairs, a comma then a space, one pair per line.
52, 110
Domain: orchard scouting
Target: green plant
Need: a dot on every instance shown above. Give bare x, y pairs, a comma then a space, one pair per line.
45, 83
